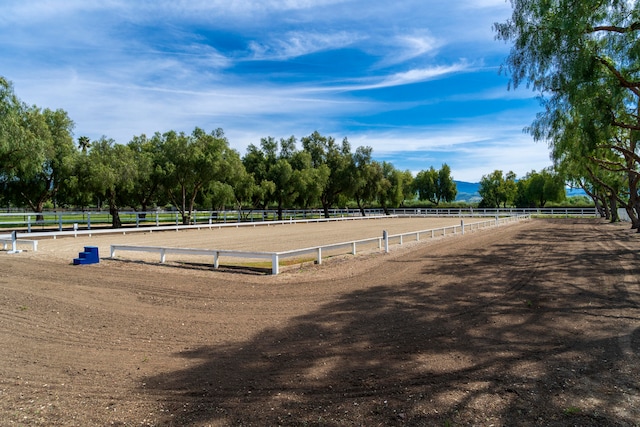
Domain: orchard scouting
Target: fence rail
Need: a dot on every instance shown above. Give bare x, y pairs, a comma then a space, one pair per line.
462, 212
32, 222
125, 230
317, 250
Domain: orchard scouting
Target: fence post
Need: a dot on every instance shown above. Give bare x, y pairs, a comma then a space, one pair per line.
319, 261
462, 225
14, 243
59, 222
29, 224
385, 237
88, 220
274, 264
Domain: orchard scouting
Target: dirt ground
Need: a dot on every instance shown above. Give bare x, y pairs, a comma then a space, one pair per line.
535, 323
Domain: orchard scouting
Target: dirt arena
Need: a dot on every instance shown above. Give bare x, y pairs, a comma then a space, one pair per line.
534, 323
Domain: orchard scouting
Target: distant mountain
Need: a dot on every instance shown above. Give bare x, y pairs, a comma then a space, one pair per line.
575, 192
467, 187
468, 191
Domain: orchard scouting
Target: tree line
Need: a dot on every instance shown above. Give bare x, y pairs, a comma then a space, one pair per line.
41, 165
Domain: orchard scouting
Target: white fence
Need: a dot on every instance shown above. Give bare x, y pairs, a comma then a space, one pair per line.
482, 212
31, 222
51, 221
77, 232
317, 250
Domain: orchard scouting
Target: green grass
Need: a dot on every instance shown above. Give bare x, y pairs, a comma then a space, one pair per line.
572, 410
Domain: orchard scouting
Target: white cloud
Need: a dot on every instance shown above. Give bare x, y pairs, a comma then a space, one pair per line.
417, 45
420, 75
299, 43
471, 150
122, 68
400, 79
484, 4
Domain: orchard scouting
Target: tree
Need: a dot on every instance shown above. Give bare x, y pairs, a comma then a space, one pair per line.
284, 173
110, 173
583, 58
538, 188
392, 187
312, 180
408, 192
425, 184
40, 183
21, 151
147, 155
497, 189
368, 178
84, 143
435, 185
192, 163
445, 189
255, 163
280, 172
244, 187
338, 159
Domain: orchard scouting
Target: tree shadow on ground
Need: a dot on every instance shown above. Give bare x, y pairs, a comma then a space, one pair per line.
536, 332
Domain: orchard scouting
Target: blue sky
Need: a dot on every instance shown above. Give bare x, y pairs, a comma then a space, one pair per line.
417, 80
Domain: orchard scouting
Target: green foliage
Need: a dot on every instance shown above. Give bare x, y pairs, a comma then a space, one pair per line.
338, 159
146, 190
395, 186
21, 151
285, 174
40, 182
190, 164
435, 185
584, 58
41, 166
538, 188
368, 178
498, 190
109, 173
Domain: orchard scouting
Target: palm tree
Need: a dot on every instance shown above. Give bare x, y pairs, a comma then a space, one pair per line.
84, 143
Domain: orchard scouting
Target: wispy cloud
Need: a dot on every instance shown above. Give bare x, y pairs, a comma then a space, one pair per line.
418, 75
299, 43
404, 47
415, 79
396, 79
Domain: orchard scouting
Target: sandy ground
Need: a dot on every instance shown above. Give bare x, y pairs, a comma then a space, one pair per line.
269, 238
536, 323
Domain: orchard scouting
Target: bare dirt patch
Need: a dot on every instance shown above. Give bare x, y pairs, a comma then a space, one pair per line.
530, 324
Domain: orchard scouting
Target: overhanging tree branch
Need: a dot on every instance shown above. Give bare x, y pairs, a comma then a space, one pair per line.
615, 29
632, 86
